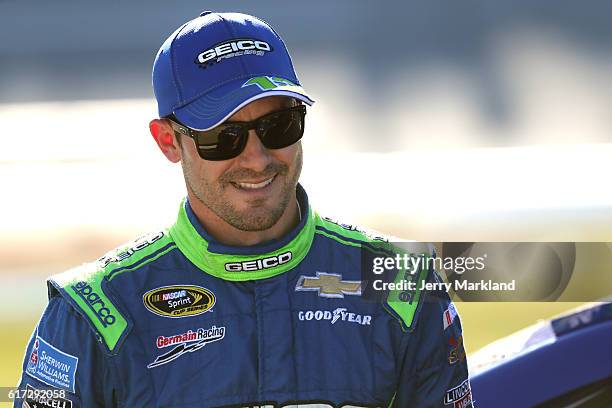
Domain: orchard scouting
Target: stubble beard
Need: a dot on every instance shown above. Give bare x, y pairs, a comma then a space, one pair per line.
259, 216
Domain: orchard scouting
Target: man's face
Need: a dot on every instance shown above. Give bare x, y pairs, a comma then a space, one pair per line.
251, 191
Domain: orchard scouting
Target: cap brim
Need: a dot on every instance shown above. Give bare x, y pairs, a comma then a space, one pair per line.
218, 105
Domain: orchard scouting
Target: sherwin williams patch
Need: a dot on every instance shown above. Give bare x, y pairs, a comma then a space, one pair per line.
52, 366
179, 300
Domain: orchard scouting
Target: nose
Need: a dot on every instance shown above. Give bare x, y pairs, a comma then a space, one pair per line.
255, 155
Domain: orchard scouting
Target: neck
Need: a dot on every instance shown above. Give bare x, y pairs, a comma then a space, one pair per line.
227, 234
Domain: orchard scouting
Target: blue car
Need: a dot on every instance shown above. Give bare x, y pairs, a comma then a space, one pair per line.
562, 363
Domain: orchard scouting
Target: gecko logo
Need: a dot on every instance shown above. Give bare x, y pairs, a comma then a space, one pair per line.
259, 264
233, 48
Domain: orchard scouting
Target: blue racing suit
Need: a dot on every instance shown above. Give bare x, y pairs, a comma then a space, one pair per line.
175, 319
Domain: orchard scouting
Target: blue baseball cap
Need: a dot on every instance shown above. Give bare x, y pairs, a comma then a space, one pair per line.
215, 64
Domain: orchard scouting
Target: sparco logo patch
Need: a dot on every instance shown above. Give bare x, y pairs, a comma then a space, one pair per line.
94, 302
259, 264
179, 300
460, 396
233, 48
186, 343
340, 314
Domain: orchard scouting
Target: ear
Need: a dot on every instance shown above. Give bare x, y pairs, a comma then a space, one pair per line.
166, 139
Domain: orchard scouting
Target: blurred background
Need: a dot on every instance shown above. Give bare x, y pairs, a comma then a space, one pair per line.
434, 121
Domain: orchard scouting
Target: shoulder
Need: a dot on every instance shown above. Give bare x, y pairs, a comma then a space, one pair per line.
86, 287
348, 234
388, 259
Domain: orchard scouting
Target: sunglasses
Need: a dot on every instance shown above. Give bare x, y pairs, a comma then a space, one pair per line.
275, 130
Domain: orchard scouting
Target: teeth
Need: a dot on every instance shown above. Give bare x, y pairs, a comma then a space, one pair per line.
251, 186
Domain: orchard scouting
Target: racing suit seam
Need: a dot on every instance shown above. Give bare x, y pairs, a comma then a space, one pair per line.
371, 358
106, 359
260, 345
116, 372
288, 291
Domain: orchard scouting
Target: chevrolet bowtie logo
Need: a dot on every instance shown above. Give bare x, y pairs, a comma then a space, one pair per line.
328, 285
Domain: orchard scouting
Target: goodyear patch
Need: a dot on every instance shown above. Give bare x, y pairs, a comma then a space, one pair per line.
52, 366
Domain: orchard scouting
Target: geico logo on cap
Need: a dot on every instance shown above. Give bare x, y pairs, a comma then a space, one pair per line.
259, 264
228, 47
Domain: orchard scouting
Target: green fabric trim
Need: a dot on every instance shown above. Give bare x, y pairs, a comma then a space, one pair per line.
404, 311
407, 309
84, 284
392, 400
356, 245
133, 252
134, 267
380, 246
195, 248
338, 239
360, 235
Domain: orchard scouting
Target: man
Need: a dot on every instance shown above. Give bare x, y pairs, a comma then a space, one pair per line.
250, 299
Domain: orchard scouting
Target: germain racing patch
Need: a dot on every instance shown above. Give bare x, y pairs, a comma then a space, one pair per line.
52, 366
187, 342
179, 300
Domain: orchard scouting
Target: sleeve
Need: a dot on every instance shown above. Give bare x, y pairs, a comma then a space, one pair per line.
64, 365
434, 371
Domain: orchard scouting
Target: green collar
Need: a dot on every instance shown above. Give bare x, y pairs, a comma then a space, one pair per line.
243, 263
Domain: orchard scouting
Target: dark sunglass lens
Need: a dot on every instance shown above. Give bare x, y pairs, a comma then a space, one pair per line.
221, 143
281, 130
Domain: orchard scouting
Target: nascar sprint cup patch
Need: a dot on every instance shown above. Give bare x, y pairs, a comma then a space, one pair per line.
179, 300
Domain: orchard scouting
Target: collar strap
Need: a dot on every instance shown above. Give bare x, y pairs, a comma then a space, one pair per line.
241, 263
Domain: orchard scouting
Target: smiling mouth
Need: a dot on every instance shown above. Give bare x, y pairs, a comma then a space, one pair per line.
253, 186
